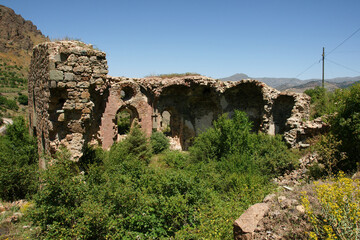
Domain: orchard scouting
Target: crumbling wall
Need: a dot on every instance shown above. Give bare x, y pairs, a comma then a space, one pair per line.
73, 102
66, 80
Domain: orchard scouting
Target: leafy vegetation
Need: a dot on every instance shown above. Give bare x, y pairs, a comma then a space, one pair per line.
345, 126
159, 142
122, 194
322, 102
22, 99
8, 104
335, 214
18, 162
340, 148
11, 76
123, 121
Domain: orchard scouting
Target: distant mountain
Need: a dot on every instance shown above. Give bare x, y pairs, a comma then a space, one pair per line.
298, 85
17, 38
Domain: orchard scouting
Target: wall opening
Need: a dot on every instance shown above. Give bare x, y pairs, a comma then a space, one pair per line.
282, 109
127, 93
188, 110
246, 97
165, 123
58, 98
124, 120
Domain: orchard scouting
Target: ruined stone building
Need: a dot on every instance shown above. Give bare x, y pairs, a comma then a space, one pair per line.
73, 102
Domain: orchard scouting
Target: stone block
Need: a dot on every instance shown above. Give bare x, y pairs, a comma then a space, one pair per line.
78, 69
61, 85
85, 95
69, 76
61, 117
71, 84
79, 106
86, 110
51, 66
57, 58
53, 84
93, 59
56, 75
65, 68
83, 84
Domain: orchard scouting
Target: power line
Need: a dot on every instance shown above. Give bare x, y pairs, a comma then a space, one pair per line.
343, 41
357, 30
317, 62
342, 65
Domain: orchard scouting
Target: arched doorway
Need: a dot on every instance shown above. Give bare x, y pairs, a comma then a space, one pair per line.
125, 118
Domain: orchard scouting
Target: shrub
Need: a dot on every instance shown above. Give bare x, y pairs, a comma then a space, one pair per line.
128, 198
231, 142
176, 159
8, 103
23, 99
273, 156
18, 162
59, 206
226, 137
322, 101
329, 155
338, 203
159, 142
345, 126
134, 146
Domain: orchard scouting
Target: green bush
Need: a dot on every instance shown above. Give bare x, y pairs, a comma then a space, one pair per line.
23, 99
231, 141
345, 126
176, 159
322, 102
18, 162
134, 146
8, 103
193, 196
159, 142
227, 137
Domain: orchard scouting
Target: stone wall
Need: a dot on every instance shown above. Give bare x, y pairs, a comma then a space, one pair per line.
73, 102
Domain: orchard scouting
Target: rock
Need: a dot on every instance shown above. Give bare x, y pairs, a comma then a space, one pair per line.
269, 198
69, 77
2, 208
245, 226
56, 75
15, 217
300, 208
356, 176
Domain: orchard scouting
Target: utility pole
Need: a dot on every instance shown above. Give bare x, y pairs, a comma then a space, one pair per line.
323, 73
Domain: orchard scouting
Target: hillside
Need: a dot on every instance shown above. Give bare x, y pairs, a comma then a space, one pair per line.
297, 85
17, 38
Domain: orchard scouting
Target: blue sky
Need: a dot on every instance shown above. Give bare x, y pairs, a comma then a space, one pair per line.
262, 38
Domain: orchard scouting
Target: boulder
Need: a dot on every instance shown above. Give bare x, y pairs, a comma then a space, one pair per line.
245, 225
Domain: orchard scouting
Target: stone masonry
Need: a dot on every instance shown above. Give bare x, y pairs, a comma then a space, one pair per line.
73, 102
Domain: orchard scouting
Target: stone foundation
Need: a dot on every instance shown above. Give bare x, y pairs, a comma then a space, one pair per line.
73, 102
